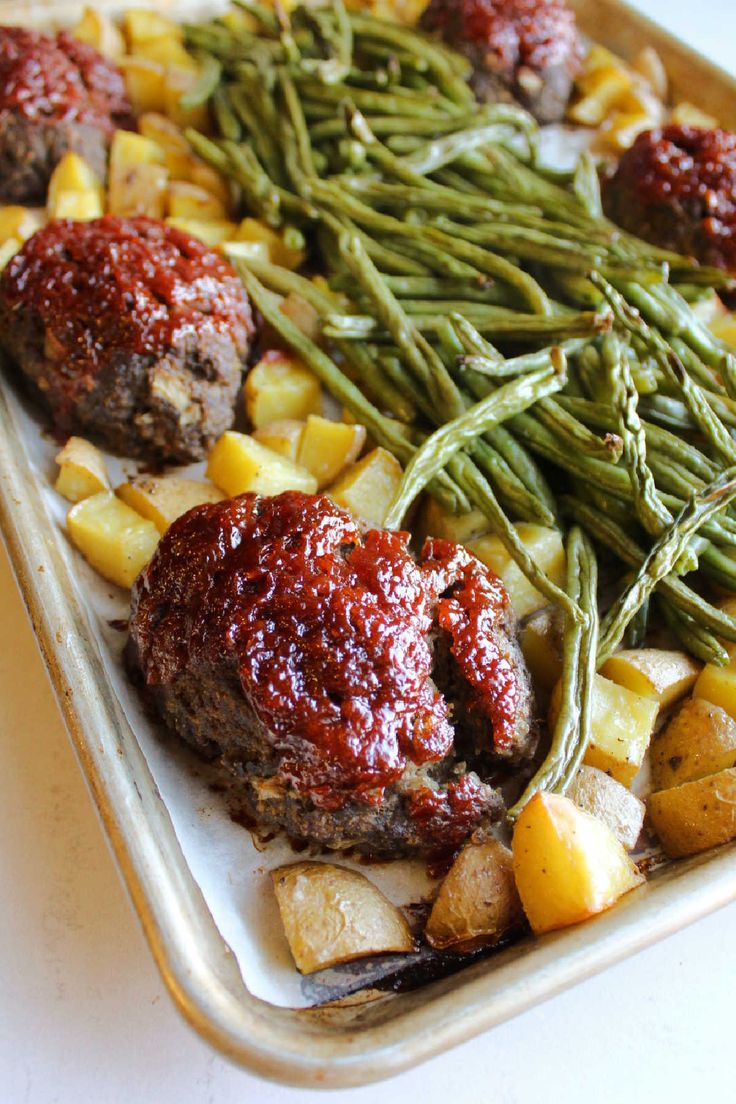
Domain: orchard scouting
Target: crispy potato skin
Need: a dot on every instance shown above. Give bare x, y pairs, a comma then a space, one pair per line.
699, 740
695, 816
331, 915
478, 903
595, 792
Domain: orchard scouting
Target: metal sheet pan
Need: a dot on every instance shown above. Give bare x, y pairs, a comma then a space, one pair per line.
330, 1047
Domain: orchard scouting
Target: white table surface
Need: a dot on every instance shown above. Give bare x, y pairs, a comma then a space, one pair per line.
85, 1019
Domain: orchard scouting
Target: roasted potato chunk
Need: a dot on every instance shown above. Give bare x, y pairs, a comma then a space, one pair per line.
368, 488
718, 685
189, 201
327, 448
256, 230
115, 540
82, 470
697, 815
622, 726
97, 30
603, 797
144, 83
478, 902
698, 741
138, 178
283, 437
331, 915
541, 645
546, 548
654, 673
239, 463
435, 521
162, 499
568, 865
19, 223
278, 387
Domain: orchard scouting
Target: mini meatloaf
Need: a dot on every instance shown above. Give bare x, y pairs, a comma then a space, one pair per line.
345, 685
676, 187
522, 50
56, 94
128, 331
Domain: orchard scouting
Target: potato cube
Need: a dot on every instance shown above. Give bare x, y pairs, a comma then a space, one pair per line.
97, 30
653, 672
568, 865
622, 725
245, 251
697, 815
728, 605
303, 315
8, 249
20, 222
327, 448
283, 437
699, 740
162, 499
368, 488
279, 386
179, 79
239, 463
73, 174
718, 685
199, 172
541, 644
161, 130
256, 230
142, 24
331, 915
478, 902
168, 53
114, 539
546, 549
604, 86
189, 201
82, 470
212, 232
624, 127
144, 83
80, 206
605, 798
687, 114
137, 177
652, 68
435, 521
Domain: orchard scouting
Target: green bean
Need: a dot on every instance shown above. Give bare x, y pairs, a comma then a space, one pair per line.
512, 325
698, 641
227, 121
205, 84
455, 435
586, 185
441, 152
523, 503
571, 732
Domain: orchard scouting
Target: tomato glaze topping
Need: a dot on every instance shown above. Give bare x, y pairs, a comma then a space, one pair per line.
114, 284
52, 79
329, 629
532, 33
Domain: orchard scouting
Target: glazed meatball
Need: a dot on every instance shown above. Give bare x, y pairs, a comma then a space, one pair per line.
676, 187
56, 94
345, 685
522, 50
128, 331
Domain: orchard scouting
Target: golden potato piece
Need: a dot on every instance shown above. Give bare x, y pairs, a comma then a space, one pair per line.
212, 232
239, 463
368, 488
568, 865
621, 728
97, 30
144, 83
697, 815
82, 470
654, 673
687, 114
162, 499
189, 201
20, 222
278, 387
8, 249
327, 448
75, 177
541, 644
718, 685
605, 798
283, 437
478, 902
303, 315
142, 24
699, 740
138, 178
256, 230
114, 539
435, 521
179, 78
546, 548
333, 915
79, 206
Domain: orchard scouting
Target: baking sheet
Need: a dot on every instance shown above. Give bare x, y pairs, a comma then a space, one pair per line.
331, 1047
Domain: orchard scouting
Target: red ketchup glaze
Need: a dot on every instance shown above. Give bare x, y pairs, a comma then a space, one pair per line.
53, 79
446, 818
533, 33
115, 284
691, 172
328, 627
